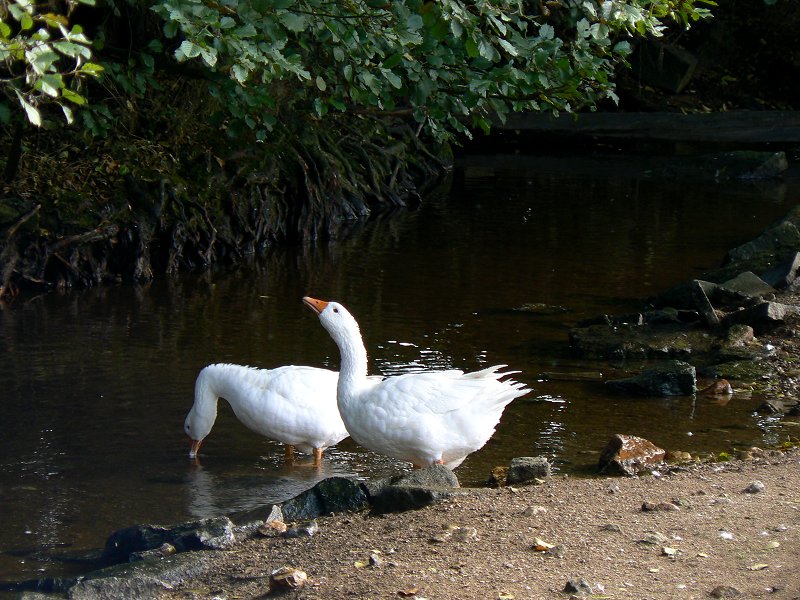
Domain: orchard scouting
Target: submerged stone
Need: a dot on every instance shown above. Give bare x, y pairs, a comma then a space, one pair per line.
673, 378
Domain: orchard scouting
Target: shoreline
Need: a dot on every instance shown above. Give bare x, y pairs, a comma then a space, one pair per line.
691, 531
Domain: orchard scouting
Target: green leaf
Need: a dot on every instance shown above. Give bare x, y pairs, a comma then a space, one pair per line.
72, 50
5, 31
26, 22
240, 73
95, 70
293, 21
50, 84
472, 48
187, 49
227, 23
414, 22
42, 59
488, 51
73, 97
321, 85
33, 115
68, 114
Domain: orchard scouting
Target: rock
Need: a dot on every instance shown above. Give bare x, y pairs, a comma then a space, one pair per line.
775, 244
302, 530
724, 591
113, 588
332, 495
673, 378
524, 469
762, 317
498, 476
211, 533
772, 406
272, 528
577, 586
721, 387
755, 487
653, 538
658, 506
629, 455
678, 456
287, 578
737, 336
704, 306
162, 551
250, 520
412, 490
784, 274
625, 342
748, 284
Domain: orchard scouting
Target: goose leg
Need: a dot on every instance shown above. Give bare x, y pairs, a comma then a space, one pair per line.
289, 453
317, 457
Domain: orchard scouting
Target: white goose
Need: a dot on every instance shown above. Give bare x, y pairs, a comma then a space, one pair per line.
294, 405
433, 417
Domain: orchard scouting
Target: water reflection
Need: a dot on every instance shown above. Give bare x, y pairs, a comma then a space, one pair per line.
96, 384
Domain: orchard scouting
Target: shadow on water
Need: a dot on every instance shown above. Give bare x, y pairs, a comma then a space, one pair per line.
96, 383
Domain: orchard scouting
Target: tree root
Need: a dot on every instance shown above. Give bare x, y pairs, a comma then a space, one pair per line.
308, 188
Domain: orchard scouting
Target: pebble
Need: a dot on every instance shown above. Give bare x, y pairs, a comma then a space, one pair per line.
577, 586
656, 506
755, 487
653, 538
302, 530
287, 578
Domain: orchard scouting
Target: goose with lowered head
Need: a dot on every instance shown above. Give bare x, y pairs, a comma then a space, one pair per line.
294, 405
432, 417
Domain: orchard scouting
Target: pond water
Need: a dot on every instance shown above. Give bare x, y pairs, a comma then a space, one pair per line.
94, 385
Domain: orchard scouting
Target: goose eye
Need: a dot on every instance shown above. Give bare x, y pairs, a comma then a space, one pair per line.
336, 310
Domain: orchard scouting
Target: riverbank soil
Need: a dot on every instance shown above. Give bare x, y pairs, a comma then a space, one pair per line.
723, 530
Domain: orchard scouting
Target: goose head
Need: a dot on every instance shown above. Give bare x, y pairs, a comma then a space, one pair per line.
335, 318
197, 426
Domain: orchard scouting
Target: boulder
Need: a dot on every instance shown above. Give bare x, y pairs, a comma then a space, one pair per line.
629, 455
673, 378
412, 490
527, 468
332, 495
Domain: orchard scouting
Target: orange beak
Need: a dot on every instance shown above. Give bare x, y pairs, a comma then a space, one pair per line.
316, 305
195, 448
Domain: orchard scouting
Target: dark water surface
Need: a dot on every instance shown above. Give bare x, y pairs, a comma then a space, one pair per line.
94, 385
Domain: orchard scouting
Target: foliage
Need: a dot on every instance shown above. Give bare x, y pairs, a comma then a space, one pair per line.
43, 59
448, 64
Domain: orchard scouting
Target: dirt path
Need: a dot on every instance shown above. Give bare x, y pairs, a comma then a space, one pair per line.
715, 536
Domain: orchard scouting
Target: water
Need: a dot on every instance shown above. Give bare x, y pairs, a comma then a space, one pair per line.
94, 385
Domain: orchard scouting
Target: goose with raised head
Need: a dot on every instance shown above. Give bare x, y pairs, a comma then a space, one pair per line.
426, 418
294, 405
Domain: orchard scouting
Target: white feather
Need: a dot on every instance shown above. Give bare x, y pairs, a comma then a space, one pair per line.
294, 405
423, 418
